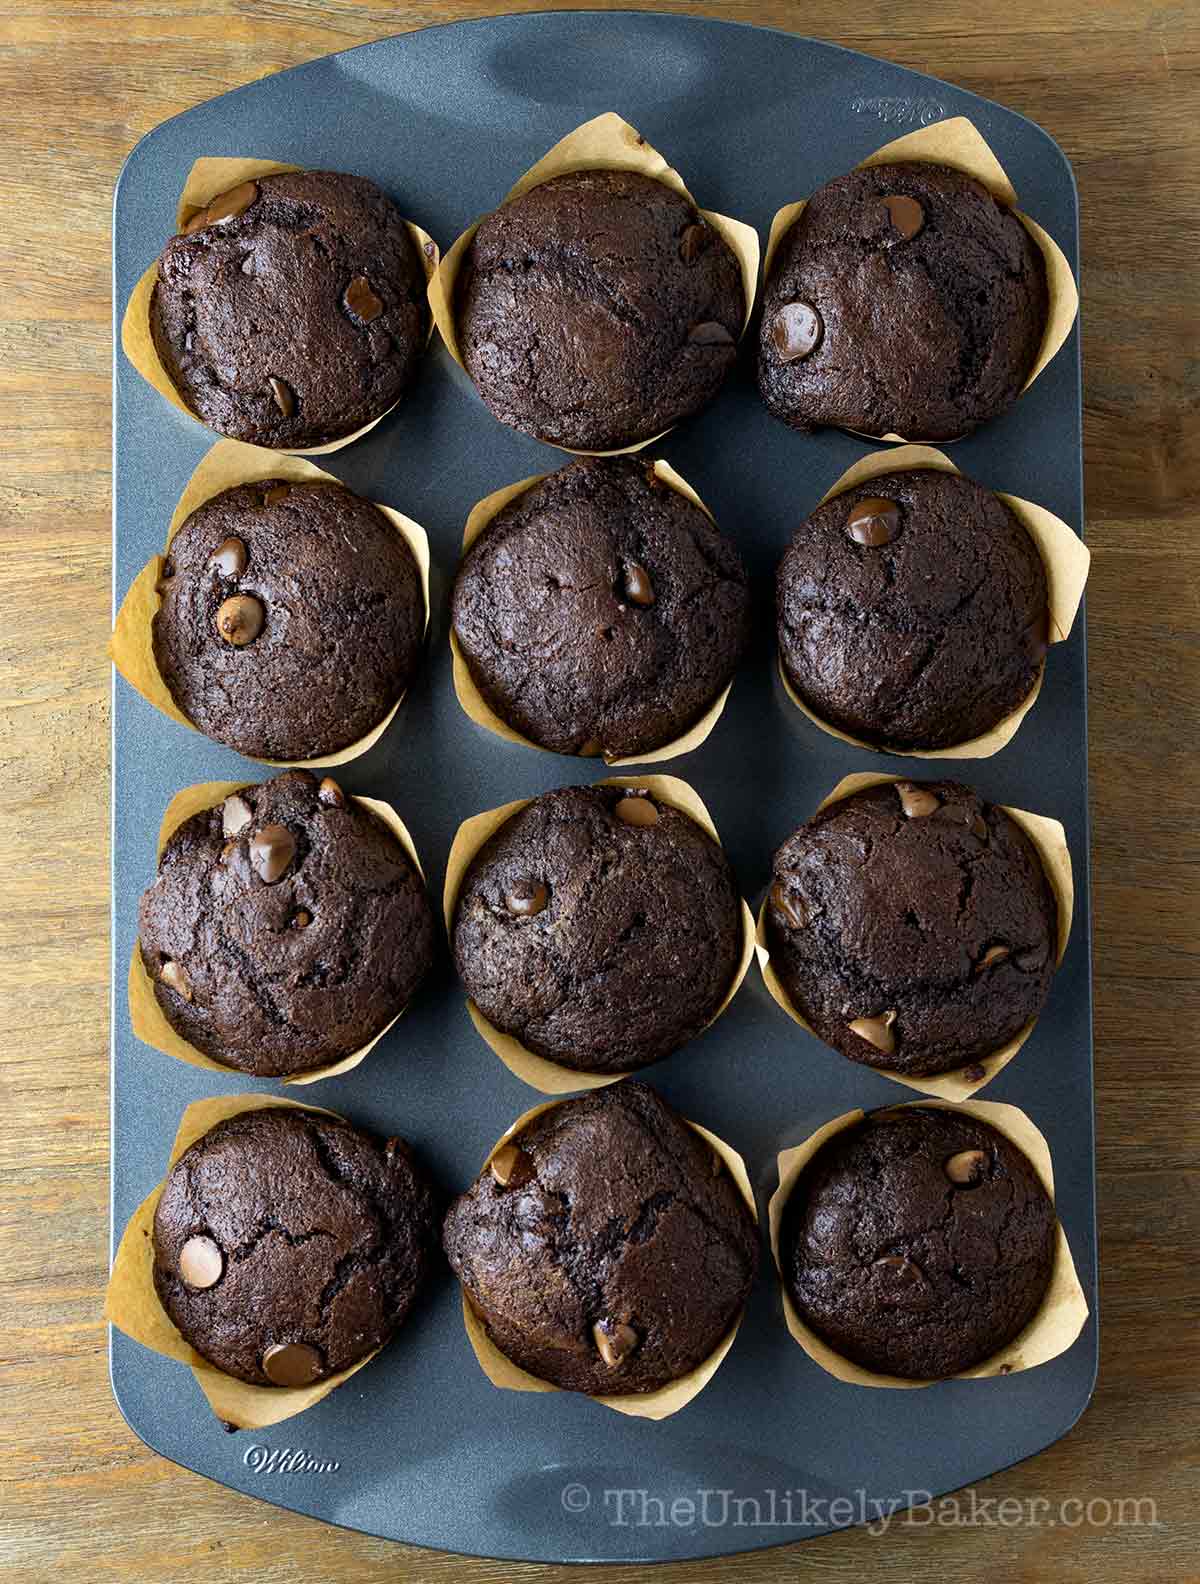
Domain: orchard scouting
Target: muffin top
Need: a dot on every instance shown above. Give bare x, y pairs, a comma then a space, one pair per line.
600, 926
292, 310
912, 610
601, 611
605, 1247
289, 1245
918, 1242
904, 300
292, 618
598, 309
286, 928
912, 926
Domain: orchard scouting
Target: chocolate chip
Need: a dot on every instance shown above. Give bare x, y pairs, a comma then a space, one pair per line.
916, 801
964, 814
291, 1364
635, 810
361, 301
276, 493
693, 242
284, 398
511, 1166
526, 900
271, 851
236, 814
329, 792
902, 1281
229, 558
174, 976
201, 1263
301, 919
796, 331
614, 1342
248, 264
228, 205
906, 215
974, 1072
966, 1169
638, 587
993, 955
876, 1031
790, 906
710, 333
240, 620
1032, 959
873, 521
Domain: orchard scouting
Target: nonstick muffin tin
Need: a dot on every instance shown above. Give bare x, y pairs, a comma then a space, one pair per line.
419, 1446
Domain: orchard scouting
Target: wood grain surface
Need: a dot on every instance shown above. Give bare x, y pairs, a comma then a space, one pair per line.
1117, 83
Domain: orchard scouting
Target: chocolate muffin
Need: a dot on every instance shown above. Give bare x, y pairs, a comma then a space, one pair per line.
601, 611
600, 927
912, 611
918, 1242
598, 309
291, 311
913, 927
292, 618
288, 1245
904, 300
286, 928
605, 1247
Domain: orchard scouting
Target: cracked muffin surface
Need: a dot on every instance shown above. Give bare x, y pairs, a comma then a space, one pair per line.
912, 926
605, 1247
292, 618
287, 926
599, 926
904, 300
598, 309
918, 1242
912, 610
288, 1245
297, 314
601, 611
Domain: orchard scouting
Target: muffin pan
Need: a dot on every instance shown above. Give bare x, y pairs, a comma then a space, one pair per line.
420, 1447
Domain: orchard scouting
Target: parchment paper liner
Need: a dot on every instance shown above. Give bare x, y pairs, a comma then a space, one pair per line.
1049, 838
228, 463
1064, 555
131, 1303
956, 142
604, 143
477, 707
1053, 1328
146, 1016
660, 1404
536, 1071
207, 178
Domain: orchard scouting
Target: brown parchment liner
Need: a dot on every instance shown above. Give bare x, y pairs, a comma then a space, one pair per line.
1052, 1329
208, 178
477, 708
227, 464
668, 1399
604, 143
1050, 841
146, 1016
1064, 555
536, 1071
132, 1305
956, 142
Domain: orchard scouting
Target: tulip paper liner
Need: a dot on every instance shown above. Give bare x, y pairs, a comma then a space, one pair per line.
477, 708
539, 1073
1050, 842
668, 1399
957, 143
207, 179
228, 464
604, 143
1064, 555
1051, 1331
132, 1305
147, 1018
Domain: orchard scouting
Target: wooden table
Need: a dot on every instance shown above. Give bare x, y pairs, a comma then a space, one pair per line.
1116, 83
